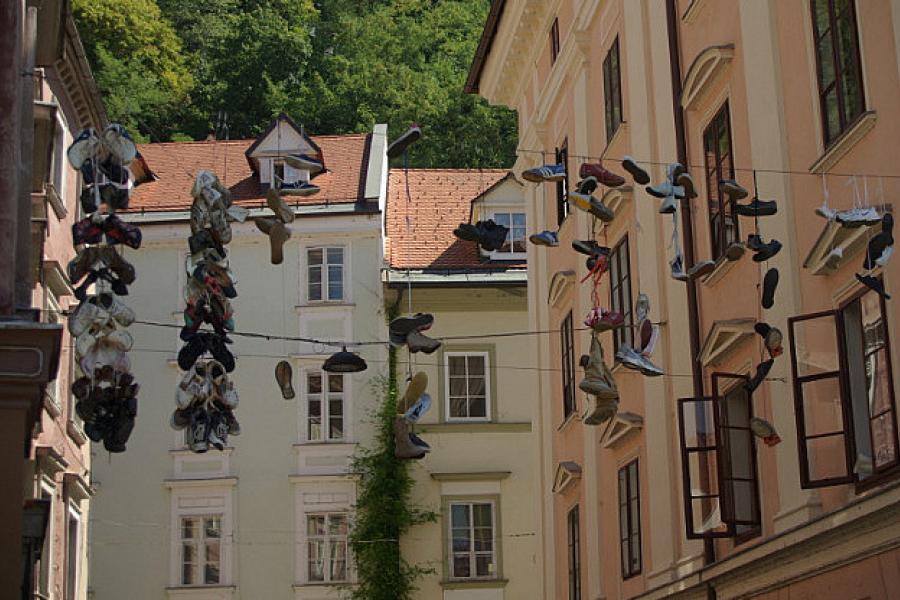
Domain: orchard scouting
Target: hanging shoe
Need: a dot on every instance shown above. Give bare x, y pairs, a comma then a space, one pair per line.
762, 251
594, 381
639, 175
642, 308
83, 148
873, 283
880, 247
86, 231
588, 185
198, 432
601, 320
545, 173
757, 208
665, 190
404, 447
418, 409
763, 429
493, 236
418, 342
677, 266
669, 206
414, 390
590, 248
772, 338
298, 188
732, 189
827, 213
701, 269
278, 206
762, 371
857, 217
90, 199
417, 441
633, 360
119, 143
686, 182
399, 146
278, 235
545, 238
734, 251
304, 162
607, 178
404, 325
591, 205
283, 375
770, 283
467, 232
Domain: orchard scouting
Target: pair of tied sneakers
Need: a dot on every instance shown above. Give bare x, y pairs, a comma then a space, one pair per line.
600, 385
407, 331
600, 320
851, 218
206, 426
92, 258
113, 142
276, 227
582, 197
107, 403
755, 208
90, 230
669, 191
648, 336
202, 342
416, 401
115, 196
487, 234
206, 381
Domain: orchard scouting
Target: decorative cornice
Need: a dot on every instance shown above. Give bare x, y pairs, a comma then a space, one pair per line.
703, 72
620, 427
567, 473
76, 487
479, 476
835, 236
560, 284
723, 337
845, 142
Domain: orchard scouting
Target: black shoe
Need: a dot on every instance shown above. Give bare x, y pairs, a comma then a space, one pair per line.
493, 236
191, 351
114, 172
88, 200
215, 343
590, 248
93, 431
877, 245
873, 283
587, 186
770, 283
415, 439
762, 371
467, 232
757, 208
399, 146
403, 326
764, 251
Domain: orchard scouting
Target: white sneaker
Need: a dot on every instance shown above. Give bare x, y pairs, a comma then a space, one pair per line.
824, 211
882, 260
857, 217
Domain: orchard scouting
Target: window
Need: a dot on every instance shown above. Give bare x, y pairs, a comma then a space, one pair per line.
838, 65
515, 240
567, 344
620, 292
327, 547
44, 567
630, 520
73, 545
59, 163
718, 457
326, 274
843, 393
278, 173
201, 549
612, 90
472, 540
719, 163
467, 386
325, 406
554, 41
562, 187
574, 548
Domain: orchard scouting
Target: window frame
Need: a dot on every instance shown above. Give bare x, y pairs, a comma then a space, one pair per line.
879, 475
567, 355
488, 399
632, 524
325, 277
495, 550
43, 574
612, 89
845, 121
199, 567
573, 552
619, 285
554, 41
563, 210
511, 254
324, 400
327, 540
720, 124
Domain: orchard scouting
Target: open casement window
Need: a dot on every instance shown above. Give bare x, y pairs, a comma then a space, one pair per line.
843, 394
701, 471
562, 187
739, 484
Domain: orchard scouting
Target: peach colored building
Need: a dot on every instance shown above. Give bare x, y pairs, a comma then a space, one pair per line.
674, 497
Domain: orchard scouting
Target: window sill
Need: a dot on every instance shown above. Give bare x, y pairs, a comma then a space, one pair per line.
474, 427
621, 130
324, 304
322, 584
723, 266
76, 432
845, 142
459, 584
574, 416
52, 406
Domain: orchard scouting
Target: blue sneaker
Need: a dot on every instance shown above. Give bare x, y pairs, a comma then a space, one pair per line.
419, 408
544, 238
298, 188
545, 173
304, 162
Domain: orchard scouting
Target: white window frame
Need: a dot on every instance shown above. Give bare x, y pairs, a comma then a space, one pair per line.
199, 544
47, 492
500, 255
324, 402
72, 574
487, 385
194, 501
324, 279
472, 552
54, 390
59, 167
327, 539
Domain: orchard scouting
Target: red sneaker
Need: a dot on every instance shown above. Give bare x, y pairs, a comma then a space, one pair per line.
607, 178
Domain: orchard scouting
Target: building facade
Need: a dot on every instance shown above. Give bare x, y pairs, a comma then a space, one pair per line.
267, 517
479, 474
674, 497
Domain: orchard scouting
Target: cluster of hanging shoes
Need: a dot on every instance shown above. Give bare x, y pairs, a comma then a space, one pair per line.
105, 390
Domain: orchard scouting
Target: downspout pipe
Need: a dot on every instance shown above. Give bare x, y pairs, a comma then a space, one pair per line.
709, 550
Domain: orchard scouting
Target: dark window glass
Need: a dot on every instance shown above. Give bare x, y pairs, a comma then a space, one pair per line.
562, 187
630, 520
839, 66
567, 344
620, 292
574, 538
612, 90
719, 165
554, 41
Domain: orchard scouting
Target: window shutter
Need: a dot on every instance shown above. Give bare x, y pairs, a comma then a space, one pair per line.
819, 372
701, 468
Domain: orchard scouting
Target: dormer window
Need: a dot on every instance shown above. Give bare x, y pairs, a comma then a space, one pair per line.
514, 246
278, 172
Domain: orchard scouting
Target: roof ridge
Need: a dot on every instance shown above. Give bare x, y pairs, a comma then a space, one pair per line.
449, 170
242, 141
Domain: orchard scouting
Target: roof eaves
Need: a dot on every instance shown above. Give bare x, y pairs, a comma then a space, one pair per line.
484, 46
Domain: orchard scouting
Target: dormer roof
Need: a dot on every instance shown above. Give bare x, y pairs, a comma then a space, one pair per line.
282, 136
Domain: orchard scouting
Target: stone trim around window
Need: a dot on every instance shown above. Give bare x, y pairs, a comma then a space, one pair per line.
486, 582
443, 392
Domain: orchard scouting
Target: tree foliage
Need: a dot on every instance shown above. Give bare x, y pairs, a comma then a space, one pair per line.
337, 66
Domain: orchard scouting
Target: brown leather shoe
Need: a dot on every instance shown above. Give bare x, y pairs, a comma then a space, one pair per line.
605, 177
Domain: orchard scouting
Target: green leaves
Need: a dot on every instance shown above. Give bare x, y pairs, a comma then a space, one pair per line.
336, 66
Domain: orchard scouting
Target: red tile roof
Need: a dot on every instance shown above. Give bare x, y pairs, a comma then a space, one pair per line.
176, 163
420, 226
